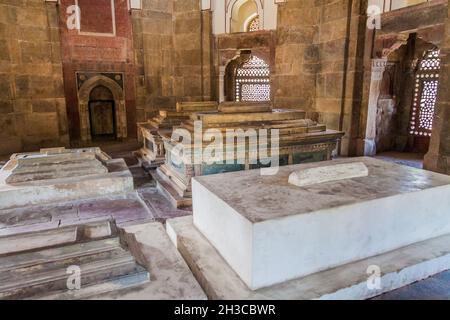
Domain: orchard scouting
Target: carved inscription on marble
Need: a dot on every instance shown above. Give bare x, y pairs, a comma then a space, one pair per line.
311, 176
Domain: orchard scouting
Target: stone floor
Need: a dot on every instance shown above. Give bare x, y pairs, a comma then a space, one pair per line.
405, 158
437, 287
146, 204
434, 288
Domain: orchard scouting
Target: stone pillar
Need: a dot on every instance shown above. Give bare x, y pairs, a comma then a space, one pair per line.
121, 120
406, 100
438, 156
353, 76
367, 145
206, 53
222, 83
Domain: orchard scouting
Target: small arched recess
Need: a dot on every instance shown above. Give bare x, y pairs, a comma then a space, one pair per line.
83, 106
227, 19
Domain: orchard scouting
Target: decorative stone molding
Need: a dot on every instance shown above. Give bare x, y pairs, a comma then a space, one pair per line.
135, 4
132, 4
378, 68
402, 39
206, 4
412, 66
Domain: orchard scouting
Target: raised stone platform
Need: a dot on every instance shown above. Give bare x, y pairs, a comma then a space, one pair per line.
54, 175
270, 231
132, 262
124, 209
78, 208
300, 140
117, 267
152, 153
36, 263
398, 268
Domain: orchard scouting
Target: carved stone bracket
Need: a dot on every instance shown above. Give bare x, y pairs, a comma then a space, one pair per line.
402, 39
378, 68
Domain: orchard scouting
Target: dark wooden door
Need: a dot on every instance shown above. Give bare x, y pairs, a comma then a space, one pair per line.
102, 118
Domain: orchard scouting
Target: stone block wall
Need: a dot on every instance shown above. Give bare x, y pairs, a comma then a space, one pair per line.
318, 60
319, 56
32, 104
297, 54
227, 47
172, 45
153, 48
192, 49
438, 157
331, 45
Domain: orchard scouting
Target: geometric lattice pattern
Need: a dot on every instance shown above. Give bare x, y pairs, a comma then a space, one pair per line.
427, 103
253, 81
254, 24
256, 92
425, 95
431, 61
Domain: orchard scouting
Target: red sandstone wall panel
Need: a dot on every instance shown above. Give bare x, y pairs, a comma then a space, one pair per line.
97, 16
104, 44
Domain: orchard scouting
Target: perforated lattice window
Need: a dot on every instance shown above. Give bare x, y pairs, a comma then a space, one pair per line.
254, 24
253, 81
425, 95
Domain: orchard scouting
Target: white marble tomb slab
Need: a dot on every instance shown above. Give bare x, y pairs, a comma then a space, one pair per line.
270, 231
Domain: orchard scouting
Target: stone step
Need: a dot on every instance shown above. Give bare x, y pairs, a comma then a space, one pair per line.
399, 268
40, 159
140, 277
19, 242
19, 273
229, 118
56, 171
34, 167
30, 259
253, 107
169, 192
145, 162
39, 236
174, 179
37, 280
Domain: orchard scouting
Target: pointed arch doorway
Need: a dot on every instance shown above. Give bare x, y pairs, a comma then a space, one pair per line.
101, 107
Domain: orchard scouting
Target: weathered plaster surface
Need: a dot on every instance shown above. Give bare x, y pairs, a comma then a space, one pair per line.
260, 198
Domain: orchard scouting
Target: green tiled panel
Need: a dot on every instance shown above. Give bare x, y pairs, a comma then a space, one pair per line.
221, 168
284, 161
309, 157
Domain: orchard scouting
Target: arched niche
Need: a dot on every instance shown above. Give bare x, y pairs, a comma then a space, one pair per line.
247, 69
241, 12
84, 96
223, 10
396, 96
101, 93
